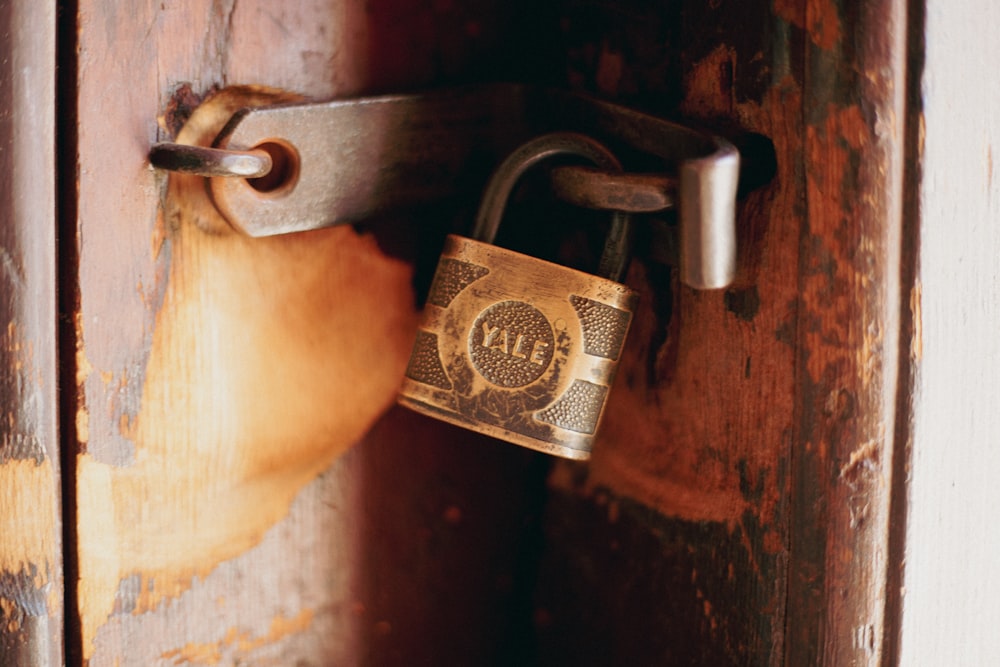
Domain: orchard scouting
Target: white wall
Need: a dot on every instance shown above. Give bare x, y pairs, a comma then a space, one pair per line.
951, 606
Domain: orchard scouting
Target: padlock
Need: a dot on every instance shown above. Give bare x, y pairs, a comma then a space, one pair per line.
516, 347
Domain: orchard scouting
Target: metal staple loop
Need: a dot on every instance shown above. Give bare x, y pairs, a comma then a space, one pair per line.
592, 187
201, 161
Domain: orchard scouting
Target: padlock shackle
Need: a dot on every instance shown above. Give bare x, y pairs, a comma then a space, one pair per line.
614, 259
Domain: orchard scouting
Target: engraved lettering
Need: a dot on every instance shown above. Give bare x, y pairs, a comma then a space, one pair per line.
489, 334
511, 344
497, 338
519, 348
538, 354
501, 342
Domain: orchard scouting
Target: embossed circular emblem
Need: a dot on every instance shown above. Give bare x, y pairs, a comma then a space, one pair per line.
511, 344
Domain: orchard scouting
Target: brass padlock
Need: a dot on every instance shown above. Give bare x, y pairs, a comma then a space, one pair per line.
516, 347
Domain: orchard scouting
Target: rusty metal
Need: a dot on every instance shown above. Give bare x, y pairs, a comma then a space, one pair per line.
516, 347
213, 162
596, 188
363, 157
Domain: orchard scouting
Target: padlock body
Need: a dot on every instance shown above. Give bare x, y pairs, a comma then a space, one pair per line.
518, 348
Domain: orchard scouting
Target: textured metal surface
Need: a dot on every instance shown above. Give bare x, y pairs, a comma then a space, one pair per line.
518, 348
358, 158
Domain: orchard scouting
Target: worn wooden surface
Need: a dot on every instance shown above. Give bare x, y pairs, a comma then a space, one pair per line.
849, 332
950, 598
670, 547
219, 377
31, 582
735, 510
744, 471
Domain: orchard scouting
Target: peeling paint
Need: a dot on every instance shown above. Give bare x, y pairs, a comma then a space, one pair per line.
27, 524
865, 457
706, 95
269, 358
832, 151
823, 23
243, 641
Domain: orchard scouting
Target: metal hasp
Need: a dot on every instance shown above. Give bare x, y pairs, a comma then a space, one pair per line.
347, 160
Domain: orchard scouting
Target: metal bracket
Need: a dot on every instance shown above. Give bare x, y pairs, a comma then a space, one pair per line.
348, 160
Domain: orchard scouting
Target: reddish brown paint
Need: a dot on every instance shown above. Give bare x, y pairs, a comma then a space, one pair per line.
691, 438
848, 345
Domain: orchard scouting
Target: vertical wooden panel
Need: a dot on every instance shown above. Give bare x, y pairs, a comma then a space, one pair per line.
219, 376
848, 337
31, 599
191, 547
671, 546
746, 459
951, 592
213, 387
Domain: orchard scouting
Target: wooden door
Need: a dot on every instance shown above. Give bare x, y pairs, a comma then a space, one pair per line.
236, 487
219, 377
31, 572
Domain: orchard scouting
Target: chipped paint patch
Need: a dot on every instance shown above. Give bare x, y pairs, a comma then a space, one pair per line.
823, 23
865, 457
28, 527
704, 84
242, 641
791, 11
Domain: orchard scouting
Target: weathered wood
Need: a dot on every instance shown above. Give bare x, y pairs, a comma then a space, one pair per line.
744, 468
219, 376
682, 560
763, 415
950, 598
31, 595
849, 332
241, 407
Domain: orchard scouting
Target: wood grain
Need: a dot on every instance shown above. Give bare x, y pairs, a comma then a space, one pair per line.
766, 413
218, 376
31, 566
671, 547
736, 508
206, 362
847, 371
